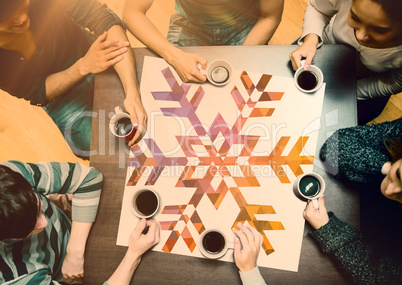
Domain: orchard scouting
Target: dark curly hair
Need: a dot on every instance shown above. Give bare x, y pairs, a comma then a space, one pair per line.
18, 205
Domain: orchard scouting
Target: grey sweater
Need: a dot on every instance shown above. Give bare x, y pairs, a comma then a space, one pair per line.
355, 257
357, 154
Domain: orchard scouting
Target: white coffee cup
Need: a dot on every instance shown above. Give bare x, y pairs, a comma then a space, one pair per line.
214, 244
310, 186
145, 203
310, 80
119, 123
218, 72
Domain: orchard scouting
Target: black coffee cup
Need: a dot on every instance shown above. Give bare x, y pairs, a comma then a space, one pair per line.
214, 244
309, 80
145, 203
309, 186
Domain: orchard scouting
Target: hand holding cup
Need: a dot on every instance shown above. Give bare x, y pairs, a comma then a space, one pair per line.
139, 243
316, 217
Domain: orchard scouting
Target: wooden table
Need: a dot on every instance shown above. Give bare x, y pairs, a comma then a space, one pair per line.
111, 156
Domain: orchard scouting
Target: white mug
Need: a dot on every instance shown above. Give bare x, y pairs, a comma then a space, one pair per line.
310, 80
214, 244
120, 121
218, 72
145, 203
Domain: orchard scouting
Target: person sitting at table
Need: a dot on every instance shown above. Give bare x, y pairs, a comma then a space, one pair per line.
38, 242
363, 155
204, 23
374, 29
49, 57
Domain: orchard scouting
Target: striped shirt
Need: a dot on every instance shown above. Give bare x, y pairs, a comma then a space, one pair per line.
38, 259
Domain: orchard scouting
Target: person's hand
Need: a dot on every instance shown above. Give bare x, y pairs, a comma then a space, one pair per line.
139, 243
316, 218
185, 65
247, 245
134, 107
73, 267
391, 186
102, 54
307, 50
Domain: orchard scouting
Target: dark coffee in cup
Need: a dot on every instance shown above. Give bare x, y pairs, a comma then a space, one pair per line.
146, 202
309, 186
213, 242
123, 127
220, 74
307, 80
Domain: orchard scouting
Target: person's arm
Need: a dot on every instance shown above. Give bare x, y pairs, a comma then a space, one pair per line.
138, 244
73, 263
270, 17
380, 84
101, 55
316, 17
84, 182
247, 245
111, 49
128, 77
358, 153
347, 246
134, 16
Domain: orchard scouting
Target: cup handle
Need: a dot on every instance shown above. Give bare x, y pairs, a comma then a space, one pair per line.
203, 71
117, 110
302, 62
315, 203
230, 245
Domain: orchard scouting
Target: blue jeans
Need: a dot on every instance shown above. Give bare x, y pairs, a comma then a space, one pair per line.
72, 113
184, 33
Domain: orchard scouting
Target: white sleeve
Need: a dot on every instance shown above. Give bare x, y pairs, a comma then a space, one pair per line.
252, 277
317, 16
380, 84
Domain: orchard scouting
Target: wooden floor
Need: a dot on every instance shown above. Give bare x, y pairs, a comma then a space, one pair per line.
28, 134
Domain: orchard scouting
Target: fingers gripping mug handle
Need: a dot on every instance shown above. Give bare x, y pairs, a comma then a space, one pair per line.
203, 71
117, 110
315, 203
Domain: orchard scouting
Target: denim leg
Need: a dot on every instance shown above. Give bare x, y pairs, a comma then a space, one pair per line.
235, 35
72, 113
183, 33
